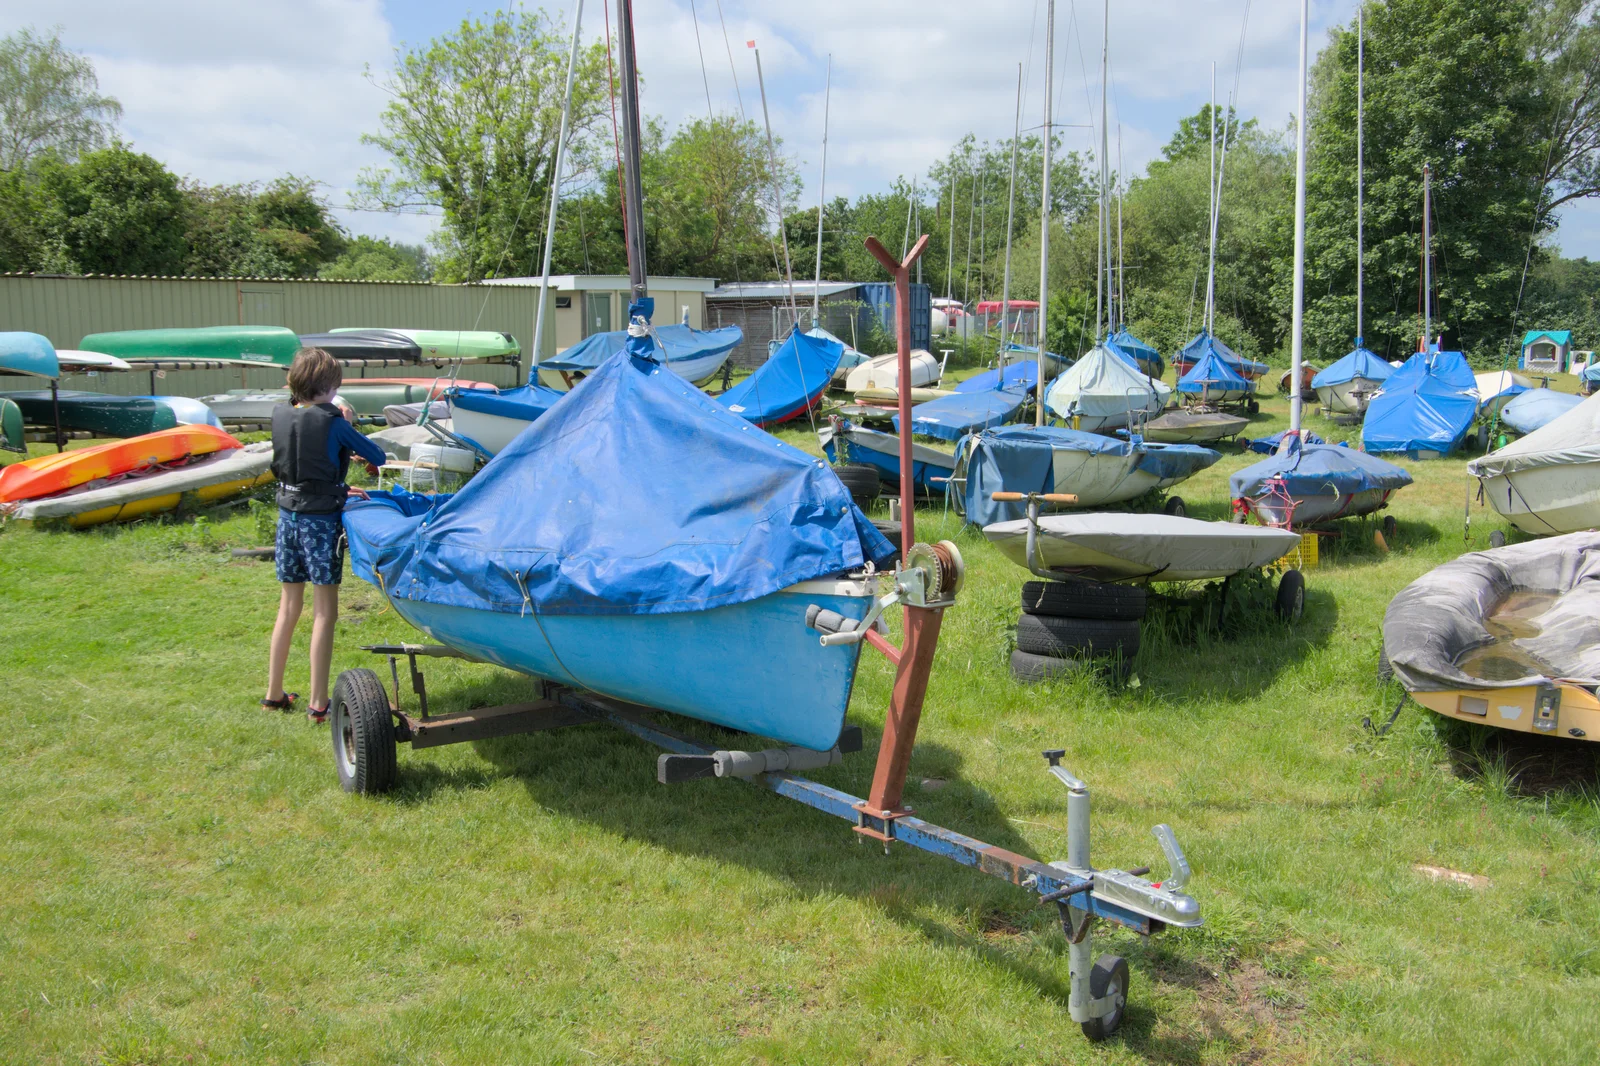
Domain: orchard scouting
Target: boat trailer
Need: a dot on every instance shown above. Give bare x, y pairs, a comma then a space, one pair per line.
367, 726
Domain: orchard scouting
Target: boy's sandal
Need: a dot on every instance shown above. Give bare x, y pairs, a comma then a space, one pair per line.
317, 715
285, 704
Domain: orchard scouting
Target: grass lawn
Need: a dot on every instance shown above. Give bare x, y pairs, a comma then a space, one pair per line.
183, 881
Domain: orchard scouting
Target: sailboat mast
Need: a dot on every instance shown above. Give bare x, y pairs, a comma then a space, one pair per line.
1296, 350
1105, 167
777, 189
1044, 209
950, 264
555, 189
1211, 249
822, 198
1121, 317
1011, 214
1427, 256
633, 187
1361, 62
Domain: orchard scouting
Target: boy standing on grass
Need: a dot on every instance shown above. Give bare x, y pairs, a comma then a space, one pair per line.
311, 448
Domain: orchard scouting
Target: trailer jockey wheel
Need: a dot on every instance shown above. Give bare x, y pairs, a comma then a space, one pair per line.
1108, 980
363, 733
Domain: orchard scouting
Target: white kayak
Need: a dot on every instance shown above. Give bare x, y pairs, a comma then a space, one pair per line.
1142, 547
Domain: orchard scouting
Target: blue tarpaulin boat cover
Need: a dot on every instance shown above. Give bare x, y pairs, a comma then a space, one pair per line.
1268, 445
1536, 409
636, 494
1148, 359
1204, 342
953, 417
679, 341
1428, 405
1213, 374
1020, 459
1318, 470
788, 383
1360, 363
852, 356
526, 402
1018, 377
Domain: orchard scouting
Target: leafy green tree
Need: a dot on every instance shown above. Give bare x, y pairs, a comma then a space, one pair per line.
379, 259
50, 101
19, 222
471, 130
115, 211
282, 230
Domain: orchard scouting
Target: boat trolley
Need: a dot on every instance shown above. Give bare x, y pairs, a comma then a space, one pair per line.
367, 725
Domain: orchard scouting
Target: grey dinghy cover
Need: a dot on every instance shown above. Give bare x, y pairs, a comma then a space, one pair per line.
1567, 440
1439, 617
635, 494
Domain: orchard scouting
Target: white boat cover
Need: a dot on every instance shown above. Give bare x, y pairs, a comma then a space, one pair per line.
1154, 547
1567, 441
235, 464
1439, 617
1103, 385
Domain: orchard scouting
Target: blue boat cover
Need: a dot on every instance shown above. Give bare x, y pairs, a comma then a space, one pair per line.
1428, 405
1020, 459
526, 402
1204, 342
1213, 373
1536, 408
1147, 358
28, 353
636, 494
679, 341
1591, 374
1360, 363
953, 417
852, 357
1318, 470
788, 383
1018, 377
1268, 445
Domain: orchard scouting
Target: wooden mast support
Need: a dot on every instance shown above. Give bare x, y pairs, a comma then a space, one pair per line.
921, 623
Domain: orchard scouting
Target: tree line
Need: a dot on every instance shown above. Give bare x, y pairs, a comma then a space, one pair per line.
1498, 97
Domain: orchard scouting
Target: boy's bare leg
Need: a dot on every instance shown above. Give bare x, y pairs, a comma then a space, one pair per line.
289, 604
324, 613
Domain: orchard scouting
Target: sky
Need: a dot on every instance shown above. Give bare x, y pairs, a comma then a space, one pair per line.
246, 92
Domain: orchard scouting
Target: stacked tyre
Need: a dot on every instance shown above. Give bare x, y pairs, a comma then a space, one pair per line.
1068, 627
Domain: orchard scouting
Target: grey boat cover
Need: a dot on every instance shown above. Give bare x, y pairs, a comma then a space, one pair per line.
1439, 617
1156, 547
1572, 438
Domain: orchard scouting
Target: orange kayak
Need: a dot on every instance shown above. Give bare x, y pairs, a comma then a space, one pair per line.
50, 474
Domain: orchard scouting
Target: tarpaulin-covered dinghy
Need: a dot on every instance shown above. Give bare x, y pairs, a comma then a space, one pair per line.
1508, 637
644, 542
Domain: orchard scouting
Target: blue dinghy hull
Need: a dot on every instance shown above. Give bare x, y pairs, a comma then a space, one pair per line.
752, 666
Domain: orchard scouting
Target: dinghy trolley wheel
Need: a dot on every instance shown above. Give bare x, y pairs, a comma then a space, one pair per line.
1497, 538
1108, 983
1390, 527
1291, 596
1176, 506
363, 733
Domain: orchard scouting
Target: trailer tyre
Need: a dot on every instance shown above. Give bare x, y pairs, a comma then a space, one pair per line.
1079, 598
1291, 596
1176, 507
861, 481
1108, 978
1031, 669
363, 733
1497, 538
892, 532
1391, 526
1044, 634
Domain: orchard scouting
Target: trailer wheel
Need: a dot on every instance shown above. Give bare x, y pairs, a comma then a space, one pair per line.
1030, 668
1044, 634
1108, 978
1252, 408
861, 481
363, 733
1176, 507
1497, 538
1081, 598
1391, 526
892, 532
1291, 596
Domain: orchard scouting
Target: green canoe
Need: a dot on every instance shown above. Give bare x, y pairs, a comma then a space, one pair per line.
11, 427
95, 412
453, 343
249, 344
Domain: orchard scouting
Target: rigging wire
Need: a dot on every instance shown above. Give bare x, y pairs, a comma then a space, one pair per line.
704, 78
